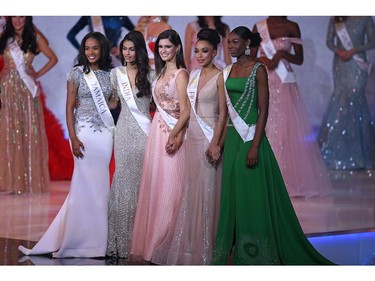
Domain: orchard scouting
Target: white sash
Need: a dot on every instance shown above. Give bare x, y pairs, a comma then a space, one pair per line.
100, 102
270, 51
192, 94
97, 24
245, 131
170, 120
19, 61
346, 41
127, 93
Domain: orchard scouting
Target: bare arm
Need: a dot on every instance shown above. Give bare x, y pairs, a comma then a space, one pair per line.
77, 145
176, 136
227, 56
214, 150
263, 100
189, 33
297, 56
47, 51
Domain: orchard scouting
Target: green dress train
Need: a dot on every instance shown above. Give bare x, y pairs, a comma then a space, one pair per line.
257, 218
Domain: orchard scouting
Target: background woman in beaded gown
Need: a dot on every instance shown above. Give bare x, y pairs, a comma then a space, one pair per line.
214, 22
257, 223
80, 227
129, 145
347, 134
163, 173
23, 141
190, 241
288, 128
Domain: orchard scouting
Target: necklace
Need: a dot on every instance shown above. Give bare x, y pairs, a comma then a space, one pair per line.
156, 19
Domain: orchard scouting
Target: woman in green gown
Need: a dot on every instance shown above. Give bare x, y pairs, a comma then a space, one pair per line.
257, 223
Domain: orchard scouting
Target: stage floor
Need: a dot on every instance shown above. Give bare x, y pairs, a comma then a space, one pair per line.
340, 226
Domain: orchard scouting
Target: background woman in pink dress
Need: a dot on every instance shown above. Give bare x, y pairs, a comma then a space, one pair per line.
288, 128
163, 172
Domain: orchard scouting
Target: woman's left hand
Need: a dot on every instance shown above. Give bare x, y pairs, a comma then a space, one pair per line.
252, 157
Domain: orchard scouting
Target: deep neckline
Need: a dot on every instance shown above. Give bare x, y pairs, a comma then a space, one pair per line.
208, 81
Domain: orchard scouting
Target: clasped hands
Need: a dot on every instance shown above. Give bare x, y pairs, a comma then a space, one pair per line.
345, 55
213, 154
174, 143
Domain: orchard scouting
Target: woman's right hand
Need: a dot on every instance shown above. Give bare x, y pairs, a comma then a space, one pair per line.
270, 64
77, 148
77, 104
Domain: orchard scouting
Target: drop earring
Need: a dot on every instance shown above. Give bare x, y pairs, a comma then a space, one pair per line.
247, 51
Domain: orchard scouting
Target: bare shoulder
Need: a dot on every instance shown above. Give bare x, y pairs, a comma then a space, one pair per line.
183, 74
293, 28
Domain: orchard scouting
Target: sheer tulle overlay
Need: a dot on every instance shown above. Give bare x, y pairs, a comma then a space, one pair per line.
291, 136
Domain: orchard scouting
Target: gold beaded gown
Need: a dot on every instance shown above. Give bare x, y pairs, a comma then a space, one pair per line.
23, 140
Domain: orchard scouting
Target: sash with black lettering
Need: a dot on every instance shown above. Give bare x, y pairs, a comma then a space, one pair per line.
192, 94
346, 41
245, 131
99, 100
19, 61
270, 50
127, 93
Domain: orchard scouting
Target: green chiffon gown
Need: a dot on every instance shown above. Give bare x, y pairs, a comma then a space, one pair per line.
257, 220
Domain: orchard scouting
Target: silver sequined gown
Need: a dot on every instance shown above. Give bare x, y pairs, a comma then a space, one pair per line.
129, 147
347, 134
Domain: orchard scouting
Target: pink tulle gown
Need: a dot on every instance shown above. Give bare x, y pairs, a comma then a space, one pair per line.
190, 241
291, 135
162, 178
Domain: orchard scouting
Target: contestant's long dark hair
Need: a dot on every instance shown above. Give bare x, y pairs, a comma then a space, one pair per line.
220, 27
141, 57
105, 60
172, 36
245, 33
28, 36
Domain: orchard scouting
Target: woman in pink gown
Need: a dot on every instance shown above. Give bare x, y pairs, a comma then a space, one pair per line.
288, 128
163, 171
190, 241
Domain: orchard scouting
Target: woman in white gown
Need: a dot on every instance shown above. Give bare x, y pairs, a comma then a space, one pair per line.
80, 227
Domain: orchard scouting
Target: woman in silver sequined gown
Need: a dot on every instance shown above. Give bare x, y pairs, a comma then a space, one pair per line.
347, 133
129, 145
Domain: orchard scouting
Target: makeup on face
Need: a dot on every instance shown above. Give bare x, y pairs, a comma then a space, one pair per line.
92, 50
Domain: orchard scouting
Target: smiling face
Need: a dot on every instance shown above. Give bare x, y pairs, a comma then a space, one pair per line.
167, 50
204, 53
128, 51
18, 24
92, 51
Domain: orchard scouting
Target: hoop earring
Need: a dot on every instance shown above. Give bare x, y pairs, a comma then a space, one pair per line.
247, 51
